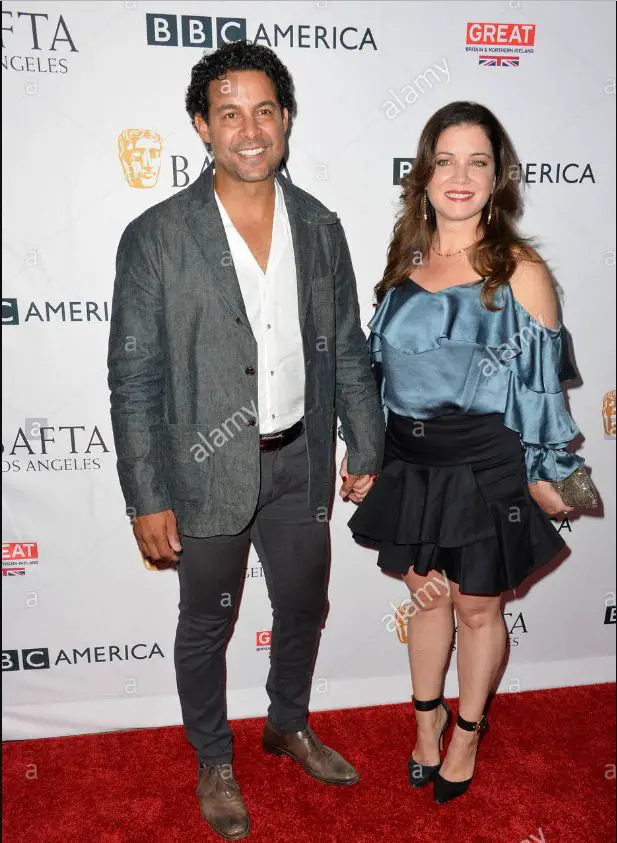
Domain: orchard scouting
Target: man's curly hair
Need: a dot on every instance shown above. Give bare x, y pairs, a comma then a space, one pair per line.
238, 55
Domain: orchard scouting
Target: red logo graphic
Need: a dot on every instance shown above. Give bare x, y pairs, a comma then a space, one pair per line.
17, 556
263, 639
502, 34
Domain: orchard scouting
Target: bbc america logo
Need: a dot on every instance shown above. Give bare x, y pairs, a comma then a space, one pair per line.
38, 658
194, 31
530, 172
206, 33
54, 312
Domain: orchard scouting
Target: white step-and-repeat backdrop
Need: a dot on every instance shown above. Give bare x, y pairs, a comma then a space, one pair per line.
88, 630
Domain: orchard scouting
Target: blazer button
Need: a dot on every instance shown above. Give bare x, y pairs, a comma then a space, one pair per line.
249, 370
250, 423
238, 320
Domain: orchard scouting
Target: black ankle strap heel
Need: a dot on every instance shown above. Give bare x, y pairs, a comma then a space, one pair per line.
470, 726
426, 705
445, 790
430, 705
421, 774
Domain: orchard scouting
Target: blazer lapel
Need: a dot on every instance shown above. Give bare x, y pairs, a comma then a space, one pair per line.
304, 237
206, 226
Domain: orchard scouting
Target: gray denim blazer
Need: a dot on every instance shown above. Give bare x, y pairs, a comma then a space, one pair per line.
182, 363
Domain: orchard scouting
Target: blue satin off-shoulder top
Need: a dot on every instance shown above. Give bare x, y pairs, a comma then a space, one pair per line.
443, 352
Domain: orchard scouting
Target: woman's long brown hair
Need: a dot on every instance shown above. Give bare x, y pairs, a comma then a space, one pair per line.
495, 255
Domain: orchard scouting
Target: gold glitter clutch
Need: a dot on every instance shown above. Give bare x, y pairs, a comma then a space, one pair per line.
577, 490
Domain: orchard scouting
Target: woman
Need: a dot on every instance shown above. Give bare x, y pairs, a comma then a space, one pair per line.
470, 352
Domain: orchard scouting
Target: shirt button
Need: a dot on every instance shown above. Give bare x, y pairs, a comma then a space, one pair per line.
251, 423
272, 416
268, 326
249, 370
271, 371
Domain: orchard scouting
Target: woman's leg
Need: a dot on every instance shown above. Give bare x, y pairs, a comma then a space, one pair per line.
429, 636
481, 646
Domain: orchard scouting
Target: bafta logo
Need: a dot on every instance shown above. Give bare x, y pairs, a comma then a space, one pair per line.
608, 414
140, 155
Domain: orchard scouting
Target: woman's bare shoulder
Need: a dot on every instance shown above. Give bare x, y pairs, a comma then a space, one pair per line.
533, 288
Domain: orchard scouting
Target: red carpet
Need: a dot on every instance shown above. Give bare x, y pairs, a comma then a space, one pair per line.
545, 773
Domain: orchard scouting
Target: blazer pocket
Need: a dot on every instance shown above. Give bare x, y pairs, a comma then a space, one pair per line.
187, 460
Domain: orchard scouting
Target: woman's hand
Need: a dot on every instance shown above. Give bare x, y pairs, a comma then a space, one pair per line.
355, 486
548, 499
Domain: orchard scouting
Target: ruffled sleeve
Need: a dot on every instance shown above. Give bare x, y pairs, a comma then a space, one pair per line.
539, 361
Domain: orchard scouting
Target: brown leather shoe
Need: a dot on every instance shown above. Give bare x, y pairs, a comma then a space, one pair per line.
315, 758
221, 803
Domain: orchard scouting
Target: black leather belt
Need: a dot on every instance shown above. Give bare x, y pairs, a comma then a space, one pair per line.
274, 441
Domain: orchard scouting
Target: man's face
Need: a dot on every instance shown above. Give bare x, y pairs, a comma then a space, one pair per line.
246, 125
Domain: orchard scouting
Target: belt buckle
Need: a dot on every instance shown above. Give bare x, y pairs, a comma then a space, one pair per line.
274, 437
270, 436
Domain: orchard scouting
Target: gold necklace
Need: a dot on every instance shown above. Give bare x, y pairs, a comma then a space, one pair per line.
451, 254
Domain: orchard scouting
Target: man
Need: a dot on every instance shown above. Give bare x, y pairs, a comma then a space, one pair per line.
235, 339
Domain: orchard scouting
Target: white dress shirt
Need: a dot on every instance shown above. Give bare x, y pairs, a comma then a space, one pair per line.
271, 303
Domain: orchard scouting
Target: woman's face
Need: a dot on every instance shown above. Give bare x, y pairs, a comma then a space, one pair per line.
464, 172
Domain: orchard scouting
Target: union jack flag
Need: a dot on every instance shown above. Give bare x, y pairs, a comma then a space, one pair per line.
13, 572
499, 61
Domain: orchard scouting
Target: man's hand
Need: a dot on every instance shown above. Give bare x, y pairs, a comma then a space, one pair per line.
548, 499
157, 537
355, 486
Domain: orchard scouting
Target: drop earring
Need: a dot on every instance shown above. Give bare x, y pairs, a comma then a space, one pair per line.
490, 210
425, 205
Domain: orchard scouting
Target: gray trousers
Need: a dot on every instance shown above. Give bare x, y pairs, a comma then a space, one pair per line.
293, 548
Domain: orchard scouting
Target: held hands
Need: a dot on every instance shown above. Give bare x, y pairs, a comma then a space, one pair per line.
157, 537
159, 542
548, 498
355, 486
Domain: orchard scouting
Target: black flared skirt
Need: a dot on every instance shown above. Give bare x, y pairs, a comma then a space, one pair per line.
452, 497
